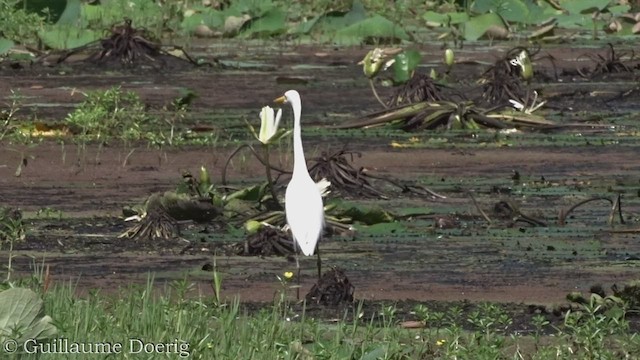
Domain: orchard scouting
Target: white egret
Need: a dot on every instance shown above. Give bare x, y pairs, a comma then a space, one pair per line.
303, 201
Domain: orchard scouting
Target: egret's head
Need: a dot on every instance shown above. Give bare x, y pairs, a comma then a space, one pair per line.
290, 97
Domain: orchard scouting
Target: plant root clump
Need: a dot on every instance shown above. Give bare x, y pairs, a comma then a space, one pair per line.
610, 63
163, 212
333, 288
348, 181
156, 224
344, 178
630, 294
419, 88
268, 241
128, 46
503, 82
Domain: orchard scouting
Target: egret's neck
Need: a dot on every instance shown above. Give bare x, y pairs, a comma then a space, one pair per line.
299, 162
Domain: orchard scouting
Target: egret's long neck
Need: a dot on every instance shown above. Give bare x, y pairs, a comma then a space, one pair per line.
299, 162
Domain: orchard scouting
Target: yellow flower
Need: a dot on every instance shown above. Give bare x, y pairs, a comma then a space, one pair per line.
441, 342
288, 275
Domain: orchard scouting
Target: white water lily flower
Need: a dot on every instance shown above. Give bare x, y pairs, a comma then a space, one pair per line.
528, 109
269, 123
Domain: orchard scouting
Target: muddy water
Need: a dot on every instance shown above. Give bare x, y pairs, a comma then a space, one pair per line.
500, 260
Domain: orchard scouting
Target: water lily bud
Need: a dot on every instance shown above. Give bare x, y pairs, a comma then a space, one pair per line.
372, 62
524, 62
252, 226
448, 57
527, 67
204, 176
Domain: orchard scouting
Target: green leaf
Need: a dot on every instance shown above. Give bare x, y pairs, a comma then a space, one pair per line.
584, 6
376, 27
71, 13
211, 18
510, 10
55, 7
305, 26
21, 310
404, 65
445, 19
5, 45
66, 37
368, 216
336, 20
271, 23
574, 21
378, 353
479, 25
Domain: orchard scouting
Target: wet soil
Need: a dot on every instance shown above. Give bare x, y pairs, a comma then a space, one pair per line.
512, 263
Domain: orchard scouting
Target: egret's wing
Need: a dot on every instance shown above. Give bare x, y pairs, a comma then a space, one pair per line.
305, 214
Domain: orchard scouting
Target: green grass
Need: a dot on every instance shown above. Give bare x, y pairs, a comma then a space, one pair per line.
147, 323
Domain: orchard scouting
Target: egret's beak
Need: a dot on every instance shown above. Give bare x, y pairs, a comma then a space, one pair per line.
280, 100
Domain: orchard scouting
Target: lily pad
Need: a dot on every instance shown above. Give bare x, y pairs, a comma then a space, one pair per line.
67, 37
21, 310
5, 45
333, 21
584, 6
478, 26
437, 19
404, 65
271, 23
71, 13
376, 27
206, 16
510, 10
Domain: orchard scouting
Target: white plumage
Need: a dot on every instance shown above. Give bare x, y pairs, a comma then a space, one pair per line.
303, 201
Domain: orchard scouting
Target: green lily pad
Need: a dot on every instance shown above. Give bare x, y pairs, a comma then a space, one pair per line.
211, 18
22, 310
273, 22
5, 45
404, 65
584, 6
334, 21
479, 25
67, 37
510, 10
71, 13
451, 18
55, 8
376, 27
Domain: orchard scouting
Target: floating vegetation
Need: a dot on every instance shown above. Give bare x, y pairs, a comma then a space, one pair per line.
449, 116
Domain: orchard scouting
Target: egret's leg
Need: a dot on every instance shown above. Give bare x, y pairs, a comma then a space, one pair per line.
319, 262
297, 277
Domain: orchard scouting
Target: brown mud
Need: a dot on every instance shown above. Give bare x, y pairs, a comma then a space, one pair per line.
465, 265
